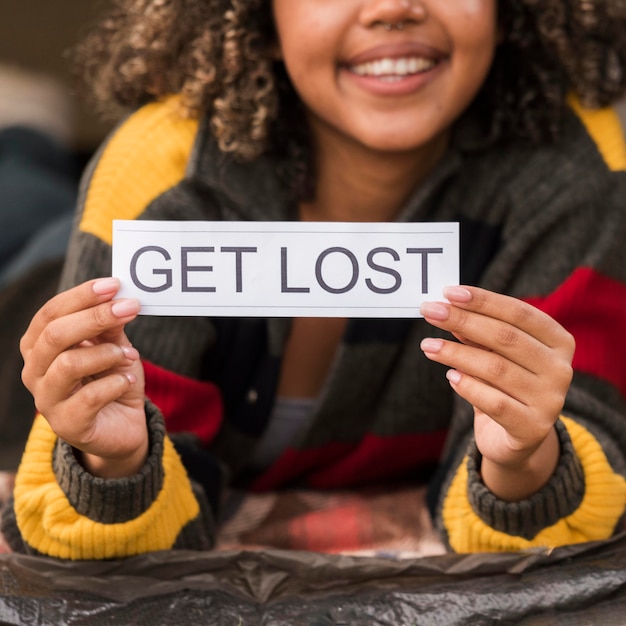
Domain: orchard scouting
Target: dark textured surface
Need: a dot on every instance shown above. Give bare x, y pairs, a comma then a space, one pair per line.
569, 587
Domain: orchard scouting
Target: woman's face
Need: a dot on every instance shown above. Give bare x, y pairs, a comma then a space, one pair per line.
391, 75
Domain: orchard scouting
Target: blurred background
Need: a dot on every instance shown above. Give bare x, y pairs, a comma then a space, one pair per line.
37, 34
38, 179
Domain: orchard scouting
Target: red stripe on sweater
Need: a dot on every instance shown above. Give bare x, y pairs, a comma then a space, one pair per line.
593, 308
187, 404
338, 465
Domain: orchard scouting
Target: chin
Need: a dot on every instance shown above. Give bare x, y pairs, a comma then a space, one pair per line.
393, 144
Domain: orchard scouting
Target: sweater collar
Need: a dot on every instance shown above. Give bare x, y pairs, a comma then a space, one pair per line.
253, 191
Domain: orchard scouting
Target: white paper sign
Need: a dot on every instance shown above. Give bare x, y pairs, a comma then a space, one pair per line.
278, 269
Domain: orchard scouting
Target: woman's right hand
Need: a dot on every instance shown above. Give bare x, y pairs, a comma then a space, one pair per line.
86, 378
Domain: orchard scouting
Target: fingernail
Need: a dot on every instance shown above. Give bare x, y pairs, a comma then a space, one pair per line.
431, 345
435, 311
130, 352
132, 379
457, 294
124, 308
453, 376
105, 285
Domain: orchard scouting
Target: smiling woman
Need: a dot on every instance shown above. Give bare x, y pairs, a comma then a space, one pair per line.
341, 60
242, 91
507, 396
368, 123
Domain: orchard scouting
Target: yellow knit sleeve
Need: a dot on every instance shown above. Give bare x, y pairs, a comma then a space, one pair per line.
145, 157
49, 524
596, 517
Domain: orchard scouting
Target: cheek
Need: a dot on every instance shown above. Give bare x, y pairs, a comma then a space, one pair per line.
302, 26
478, 7
477, 11
476, 43
302, 53
475, 22
309, 61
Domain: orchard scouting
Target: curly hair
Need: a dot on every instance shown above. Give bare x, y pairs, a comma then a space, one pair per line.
218, 55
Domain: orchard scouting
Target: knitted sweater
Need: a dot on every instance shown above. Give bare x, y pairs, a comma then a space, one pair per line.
547, 225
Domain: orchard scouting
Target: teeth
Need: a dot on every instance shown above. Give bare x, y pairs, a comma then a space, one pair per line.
393, 67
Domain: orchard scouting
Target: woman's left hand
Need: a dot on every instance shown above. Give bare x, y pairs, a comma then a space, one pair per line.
513, 364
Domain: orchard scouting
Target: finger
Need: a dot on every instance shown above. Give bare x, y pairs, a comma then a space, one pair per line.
483, 397
520, 421
106, 320
490, 367
81, 297
72, 367
493, 334
514, 312
84, 405
467, 342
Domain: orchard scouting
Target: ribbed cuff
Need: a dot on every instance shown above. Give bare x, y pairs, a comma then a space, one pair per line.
9, 529
113, 501
560, 497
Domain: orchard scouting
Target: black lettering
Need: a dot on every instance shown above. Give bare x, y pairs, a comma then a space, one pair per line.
424, 252
165, 272
283, 276
384, 270
238, 266
186, 268
318, 270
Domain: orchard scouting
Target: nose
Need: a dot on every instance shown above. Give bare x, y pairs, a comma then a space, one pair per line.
376, 12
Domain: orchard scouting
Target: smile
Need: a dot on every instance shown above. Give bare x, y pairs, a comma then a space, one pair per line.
393, 69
